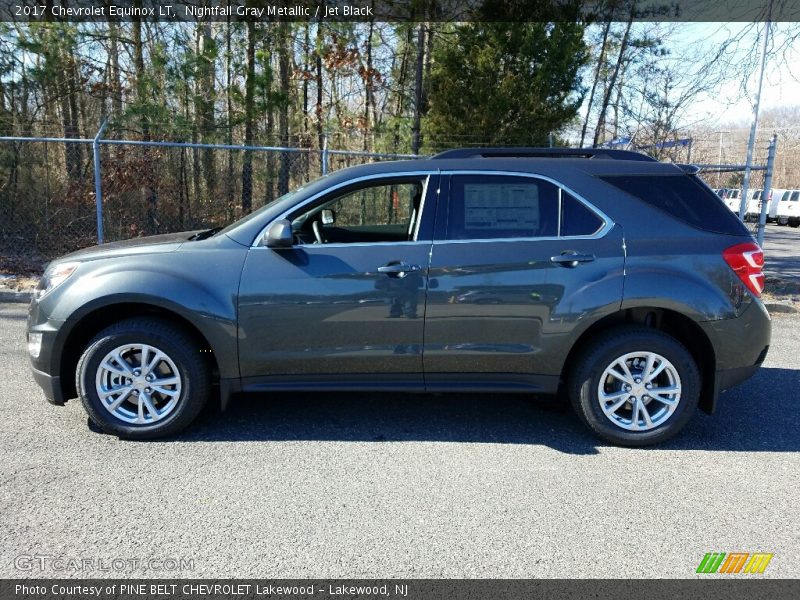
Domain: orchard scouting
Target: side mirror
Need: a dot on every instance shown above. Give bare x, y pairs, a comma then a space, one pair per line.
279, 235
328, 216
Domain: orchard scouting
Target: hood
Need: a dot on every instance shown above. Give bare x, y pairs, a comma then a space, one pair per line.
154, 244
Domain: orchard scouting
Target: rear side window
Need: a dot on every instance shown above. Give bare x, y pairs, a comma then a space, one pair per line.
682, 196
489, 207
507, 207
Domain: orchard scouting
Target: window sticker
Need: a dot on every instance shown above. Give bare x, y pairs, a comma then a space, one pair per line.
501, 206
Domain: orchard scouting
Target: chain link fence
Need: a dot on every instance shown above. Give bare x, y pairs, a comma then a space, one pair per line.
746, 194
49, 190
152, 189
45, 208
52, 202
732, 191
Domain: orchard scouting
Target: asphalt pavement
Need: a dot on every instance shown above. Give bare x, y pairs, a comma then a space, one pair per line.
782, 251
377, 485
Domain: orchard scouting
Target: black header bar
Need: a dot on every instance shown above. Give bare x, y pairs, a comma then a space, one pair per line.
745, 587
77, 11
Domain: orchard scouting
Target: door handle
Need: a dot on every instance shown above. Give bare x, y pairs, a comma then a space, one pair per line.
398, 268
571, 259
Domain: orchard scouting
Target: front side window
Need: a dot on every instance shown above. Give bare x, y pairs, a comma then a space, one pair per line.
502, 207
381, 212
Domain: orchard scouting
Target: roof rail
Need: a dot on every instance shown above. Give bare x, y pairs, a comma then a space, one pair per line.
598, 153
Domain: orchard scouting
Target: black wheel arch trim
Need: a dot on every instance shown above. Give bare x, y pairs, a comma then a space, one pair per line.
220, 334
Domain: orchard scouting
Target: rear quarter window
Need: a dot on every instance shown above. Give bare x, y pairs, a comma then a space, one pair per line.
577, 219
684, 197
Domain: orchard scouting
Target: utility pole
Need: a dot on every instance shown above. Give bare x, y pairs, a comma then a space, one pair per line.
754, 127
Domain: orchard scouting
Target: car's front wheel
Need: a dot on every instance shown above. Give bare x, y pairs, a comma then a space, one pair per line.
635, 386
143, 378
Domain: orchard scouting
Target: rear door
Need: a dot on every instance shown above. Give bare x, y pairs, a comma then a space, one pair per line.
518, 263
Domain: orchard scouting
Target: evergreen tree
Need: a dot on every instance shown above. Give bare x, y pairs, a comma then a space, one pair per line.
504, 83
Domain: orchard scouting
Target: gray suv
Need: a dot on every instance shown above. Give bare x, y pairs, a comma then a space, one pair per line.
621, 281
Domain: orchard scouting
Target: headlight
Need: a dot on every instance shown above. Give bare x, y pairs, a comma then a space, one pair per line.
54, 276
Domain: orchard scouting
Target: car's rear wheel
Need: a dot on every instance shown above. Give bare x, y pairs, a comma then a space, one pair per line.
635, 386
143, 378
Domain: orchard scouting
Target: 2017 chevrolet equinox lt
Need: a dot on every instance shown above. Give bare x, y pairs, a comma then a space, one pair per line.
623, 281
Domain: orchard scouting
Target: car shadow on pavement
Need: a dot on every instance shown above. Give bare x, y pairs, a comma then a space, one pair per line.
12, 316
760, 415
785, 267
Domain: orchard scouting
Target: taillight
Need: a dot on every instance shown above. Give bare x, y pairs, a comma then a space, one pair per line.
747, 261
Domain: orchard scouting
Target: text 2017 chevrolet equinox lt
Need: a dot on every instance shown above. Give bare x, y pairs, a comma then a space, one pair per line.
622, 281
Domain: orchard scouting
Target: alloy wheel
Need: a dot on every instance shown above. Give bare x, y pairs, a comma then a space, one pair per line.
138, 384
639, 391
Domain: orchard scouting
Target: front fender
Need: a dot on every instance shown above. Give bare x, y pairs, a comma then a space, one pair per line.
201, 293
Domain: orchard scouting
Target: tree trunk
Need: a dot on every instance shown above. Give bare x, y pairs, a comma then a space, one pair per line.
401, 87
249, 117
601, 120
318, 66
70, 150
600, 60
416, 134
368, 92
185, 165
306, 67
284, 70
138, 62
116, 85
269, 184
229, 185
205, 94
141, 97
67, 92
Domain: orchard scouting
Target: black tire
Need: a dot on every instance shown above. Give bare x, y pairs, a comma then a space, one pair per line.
183, 351
794, 222
601, 353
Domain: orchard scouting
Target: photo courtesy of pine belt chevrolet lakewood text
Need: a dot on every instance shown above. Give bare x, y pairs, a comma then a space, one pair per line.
620, 281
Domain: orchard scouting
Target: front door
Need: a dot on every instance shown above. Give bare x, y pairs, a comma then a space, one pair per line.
347, 301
